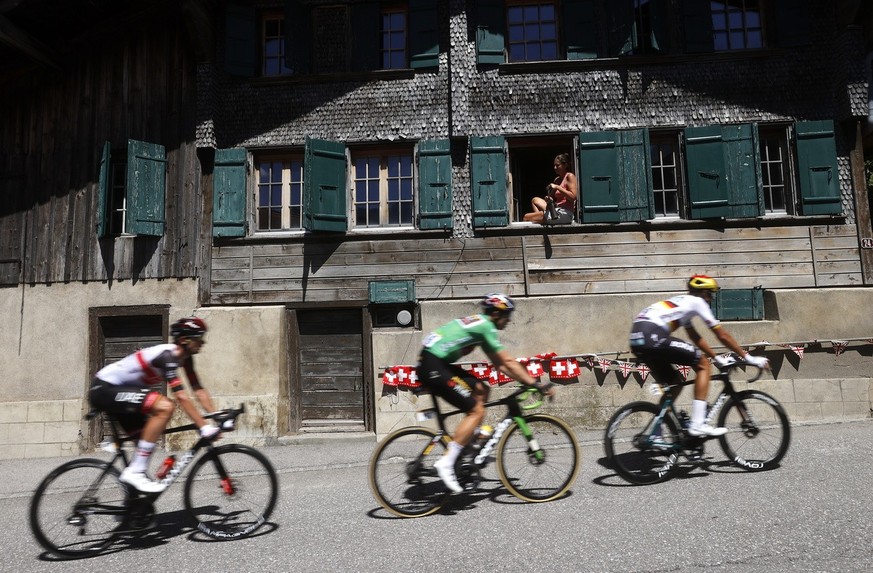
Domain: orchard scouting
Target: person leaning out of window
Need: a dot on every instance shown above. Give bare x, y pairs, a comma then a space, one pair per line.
559, 204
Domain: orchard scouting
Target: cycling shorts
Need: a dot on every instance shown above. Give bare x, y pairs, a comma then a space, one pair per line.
653, 345
129, 403
448, 381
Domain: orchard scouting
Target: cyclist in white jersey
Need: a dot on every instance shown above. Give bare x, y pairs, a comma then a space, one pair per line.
129, 389
652, 343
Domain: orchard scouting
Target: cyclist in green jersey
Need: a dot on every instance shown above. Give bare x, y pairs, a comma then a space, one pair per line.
459, 387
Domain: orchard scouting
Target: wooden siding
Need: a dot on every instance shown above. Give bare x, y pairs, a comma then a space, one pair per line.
135, 81
536, 264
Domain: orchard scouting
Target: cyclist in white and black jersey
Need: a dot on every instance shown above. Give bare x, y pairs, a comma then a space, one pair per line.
652, 343
128, 389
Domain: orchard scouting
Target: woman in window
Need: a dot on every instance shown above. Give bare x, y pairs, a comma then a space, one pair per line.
559, 204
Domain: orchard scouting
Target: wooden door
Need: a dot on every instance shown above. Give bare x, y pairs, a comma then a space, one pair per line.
331, 358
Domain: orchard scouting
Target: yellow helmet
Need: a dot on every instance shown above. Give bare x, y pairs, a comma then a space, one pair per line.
702, 282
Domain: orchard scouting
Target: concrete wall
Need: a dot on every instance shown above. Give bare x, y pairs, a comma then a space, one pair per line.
44, 357
819, 386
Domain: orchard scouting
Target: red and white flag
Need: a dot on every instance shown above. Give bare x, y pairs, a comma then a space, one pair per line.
389, 377
535, 368
684, 369
605, 364
839, 346
481, 370
498, 377
625, 368
798, 350
643, 370
564, 369
407, 376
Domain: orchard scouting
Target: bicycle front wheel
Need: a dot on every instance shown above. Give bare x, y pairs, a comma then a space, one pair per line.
542, 467
77, 508
231, 491
758, 430
639, 450
402, 477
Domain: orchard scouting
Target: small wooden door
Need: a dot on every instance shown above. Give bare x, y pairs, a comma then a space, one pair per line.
331, 358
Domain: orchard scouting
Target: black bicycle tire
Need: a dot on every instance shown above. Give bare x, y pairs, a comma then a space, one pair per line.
741, 459
416, 507
554, 491
259, 466
37, 528
622, 465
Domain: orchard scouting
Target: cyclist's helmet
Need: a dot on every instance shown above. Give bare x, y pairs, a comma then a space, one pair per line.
190, 326
497, 302
702, 282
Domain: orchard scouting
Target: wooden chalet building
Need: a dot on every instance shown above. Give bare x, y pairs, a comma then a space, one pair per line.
323, 181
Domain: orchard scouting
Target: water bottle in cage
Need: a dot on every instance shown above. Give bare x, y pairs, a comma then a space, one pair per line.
166, 467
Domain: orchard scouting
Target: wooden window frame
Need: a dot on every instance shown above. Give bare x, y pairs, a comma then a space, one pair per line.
386, 30
674, 196
363, 157
781, 165
540, 42
292, 170
269, 59
730, 30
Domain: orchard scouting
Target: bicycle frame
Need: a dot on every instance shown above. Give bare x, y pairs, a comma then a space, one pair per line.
515, 413
118, 440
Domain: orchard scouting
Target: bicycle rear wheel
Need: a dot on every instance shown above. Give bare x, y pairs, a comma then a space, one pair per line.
758, 430
639, 451
77, 509
402, 477
543, 468
231, 491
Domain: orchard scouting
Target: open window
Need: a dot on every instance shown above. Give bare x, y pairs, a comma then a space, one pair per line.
131, 190
531, 161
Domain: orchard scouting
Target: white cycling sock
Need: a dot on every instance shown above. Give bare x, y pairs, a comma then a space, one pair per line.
140, 462
698, 412
453, 451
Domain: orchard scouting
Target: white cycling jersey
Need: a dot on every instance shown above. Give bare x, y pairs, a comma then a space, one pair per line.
152, 365
678, 311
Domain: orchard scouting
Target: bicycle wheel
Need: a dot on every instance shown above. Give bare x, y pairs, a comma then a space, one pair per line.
231, 491
759, 439
77, 508
638, 451
402, 477
543, 468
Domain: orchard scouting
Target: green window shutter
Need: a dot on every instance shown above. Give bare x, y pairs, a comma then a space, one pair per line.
366, 21
580, 29
818, 169
103, 190
635, 176
488, 172
739, 304
240, 40
697, 21
324, 186
707, 174
146, 182
434, 184
229, 193
599, 182
490, 31
743, 166
792, 22
622, 39
424, 39
298, 36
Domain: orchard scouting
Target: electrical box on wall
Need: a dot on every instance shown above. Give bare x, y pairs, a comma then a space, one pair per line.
392, 292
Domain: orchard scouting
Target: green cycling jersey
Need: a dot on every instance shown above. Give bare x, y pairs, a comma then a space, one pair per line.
459, 337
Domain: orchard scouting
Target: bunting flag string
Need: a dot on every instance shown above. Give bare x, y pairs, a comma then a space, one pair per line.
569, 367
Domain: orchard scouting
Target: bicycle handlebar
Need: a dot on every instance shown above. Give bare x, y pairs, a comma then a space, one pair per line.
725, 370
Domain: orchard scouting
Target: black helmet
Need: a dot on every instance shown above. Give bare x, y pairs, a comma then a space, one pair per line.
189, 326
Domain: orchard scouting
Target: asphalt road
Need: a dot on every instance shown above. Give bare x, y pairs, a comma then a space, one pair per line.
813, 514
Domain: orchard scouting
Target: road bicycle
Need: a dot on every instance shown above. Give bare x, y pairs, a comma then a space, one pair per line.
537, 458
81, 507
645, 441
